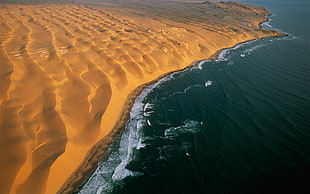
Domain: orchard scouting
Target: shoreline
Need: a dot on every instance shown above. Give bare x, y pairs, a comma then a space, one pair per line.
85, 71
91, 161
78, 179
279, 34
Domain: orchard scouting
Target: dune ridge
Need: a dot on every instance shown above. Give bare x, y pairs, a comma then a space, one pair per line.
68, 78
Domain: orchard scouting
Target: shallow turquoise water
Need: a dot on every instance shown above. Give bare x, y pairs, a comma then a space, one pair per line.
237, 125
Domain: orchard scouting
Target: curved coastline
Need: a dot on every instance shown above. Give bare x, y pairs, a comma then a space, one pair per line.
84, 83
90, 163
277, 34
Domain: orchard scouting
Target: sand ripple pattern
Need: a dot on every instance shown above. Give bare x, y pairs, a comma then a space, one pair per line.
66, 71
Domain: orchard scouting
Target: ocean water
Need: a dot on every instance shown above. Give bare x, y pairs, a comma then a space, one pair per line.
240, 124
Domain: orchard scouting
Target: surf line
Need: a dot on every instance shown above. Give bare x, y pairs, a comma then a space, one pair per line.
89, 165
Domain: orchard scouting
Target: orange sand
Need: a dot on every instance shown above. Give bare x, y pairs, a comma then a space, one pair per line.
67, 72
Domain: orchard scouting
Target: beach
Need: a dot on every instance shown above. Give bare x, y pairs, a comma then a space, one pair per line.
69, 78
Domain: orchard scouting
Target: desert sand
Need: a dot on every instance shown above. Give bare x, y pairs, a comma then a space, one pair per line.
69, 73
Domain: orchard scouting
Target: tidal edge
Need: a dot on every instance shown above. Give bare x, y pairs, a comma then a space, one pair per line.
90, 163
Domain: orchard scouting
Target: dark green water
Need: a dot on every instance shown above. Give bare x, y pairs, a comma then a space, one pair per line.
237, 125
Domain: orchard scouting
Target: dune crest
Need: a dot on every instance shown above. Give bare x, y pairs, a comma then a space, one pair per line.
69, 72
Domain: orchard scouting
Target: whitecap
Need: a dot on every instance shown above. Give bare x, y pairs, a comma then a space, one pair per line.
149, 123
190, 87
253, 48
189, 126
140, 144
140, 125
200, 63
289, 37
224, 54
147, 114
208, 83
177, 139
148, 106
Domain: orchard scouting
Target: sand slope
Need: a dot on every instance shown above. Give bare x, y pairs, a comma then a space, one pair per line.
67, 70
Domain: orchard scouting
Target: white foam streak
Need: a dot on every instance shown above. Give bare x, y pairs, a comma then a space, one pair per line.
208, 83
180, 133
188, 127
201, 63
140, 144
140, 124
250, 50
149, 123
121, 172
254, 48
148, 106
188, 88
223, 55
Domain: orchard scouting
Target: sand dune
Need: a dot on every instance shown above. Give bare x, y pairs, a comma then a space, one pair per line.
68, 72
